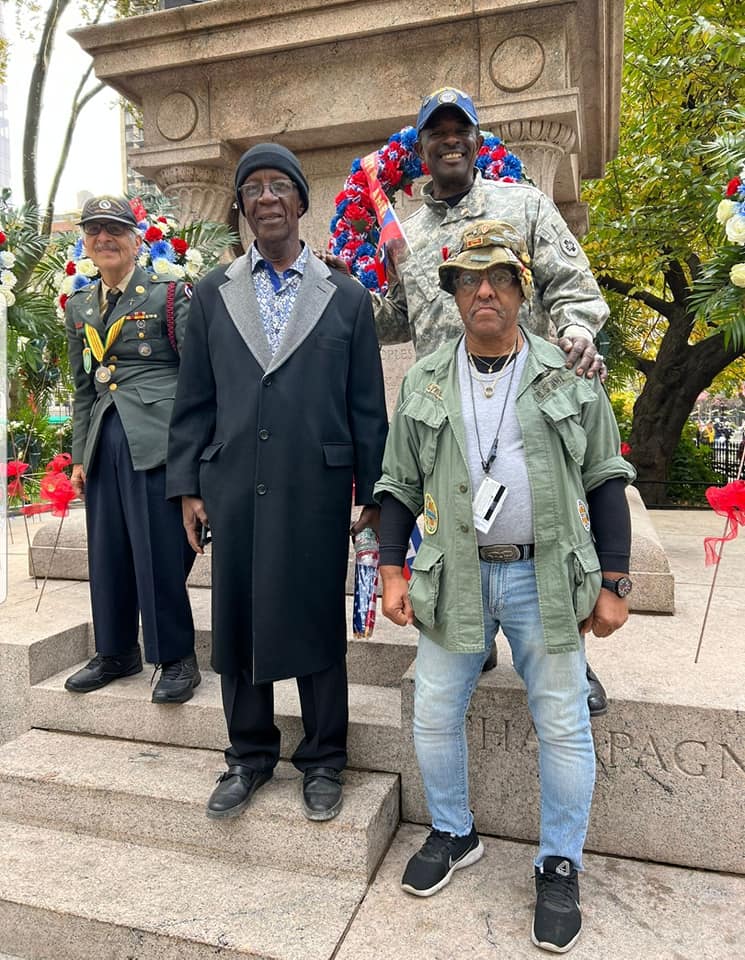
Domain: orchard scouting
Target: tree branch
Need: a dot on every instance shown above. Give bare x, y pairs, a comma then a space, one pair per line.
657, 304
677, 281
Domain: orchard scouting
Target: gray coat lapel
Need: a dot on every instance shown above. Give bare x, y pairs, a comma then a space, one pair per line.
239, 297
315, 292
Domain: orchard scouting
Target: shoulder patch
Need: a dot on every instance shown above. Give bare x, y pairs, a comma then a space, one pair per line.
569, 246
188, 290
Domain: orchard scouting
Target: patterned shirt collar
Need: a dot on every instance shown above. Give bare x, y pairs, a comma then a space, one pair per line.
298, 266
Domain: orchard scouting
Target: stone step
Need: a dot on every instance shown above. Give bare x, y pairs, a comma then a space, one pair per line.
123, 710
630, 909
66, 896
155, 795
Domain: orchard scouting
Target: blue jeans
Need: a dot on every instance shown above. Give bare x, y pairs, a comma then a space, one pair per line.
557, 698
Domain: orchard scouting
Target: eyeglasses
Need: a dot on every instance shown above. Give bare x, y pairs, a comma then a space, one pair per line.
278, 188
498, 277
114, 229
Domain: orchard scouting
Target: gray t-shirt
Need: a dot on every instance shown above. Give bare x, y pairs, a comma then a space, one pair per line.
514, 523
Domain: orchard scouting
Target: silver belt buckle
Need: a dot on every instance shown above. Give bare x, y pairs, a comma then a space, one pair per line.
502, 553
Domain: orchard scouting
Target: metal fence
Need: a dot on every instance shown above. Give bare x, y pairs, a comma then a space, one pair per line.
725, 458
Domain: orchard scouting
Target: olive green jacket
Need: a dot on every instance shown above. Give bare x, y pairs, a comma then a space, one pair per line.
143, 384
571, 445
417, 309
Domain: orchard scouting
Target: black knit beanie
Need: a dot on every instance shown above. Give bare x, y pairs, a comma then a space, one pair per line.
270, 156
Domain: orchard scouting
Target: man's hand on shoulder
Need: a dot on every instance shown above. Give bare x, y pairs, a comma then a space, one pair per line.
582, 355
331, 260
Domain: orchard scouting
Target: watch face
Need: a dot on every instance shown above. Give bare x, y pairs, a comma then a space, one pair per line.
623, 586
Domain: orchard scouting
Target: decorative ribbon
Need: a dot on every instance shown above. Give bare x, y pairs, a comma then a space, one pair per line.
98, 347
729, 502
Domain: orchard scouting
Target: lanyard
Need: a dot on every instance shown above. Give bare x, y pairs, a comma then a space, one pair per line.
487, 464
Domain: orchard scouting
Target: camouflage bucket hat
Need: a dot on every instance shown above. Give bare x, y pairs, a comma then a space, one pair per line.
484, 245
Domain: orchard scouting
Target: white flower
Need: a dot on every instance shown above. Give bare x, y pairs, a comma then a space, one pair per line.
87, 267
163, 226
735, 229
143, 259
10, 297
8, 279
7, 259
66, 286
725, 210
161, 265
194, 257
737, 275
178, 271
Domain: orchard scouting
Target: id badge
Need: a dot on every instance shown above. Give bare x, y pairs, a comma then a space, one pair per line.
487, 503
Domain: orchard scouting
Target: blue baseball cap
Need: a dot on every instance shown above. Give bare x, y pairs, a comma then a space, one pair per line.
446, 97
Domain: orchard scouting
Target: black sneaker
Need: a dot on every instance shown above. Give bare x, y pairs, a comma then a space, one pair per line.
557, 921
102, 670
178, 679
431, 868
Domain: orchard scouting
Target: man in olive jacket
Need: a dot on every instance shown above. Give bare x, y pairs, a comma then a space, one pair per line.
280, 406
124, 332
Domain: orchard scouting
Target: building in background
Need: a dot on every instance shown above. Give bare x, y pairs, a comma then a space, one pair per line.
4, 124
135, 184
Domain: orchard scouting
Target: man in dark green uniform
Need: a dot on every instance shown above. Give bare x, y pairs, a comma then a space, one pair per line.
124, 334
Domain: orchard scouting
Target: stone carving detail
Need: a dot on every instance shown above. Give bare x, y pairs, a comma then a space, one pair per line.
517, 63
203, 193
540, 144
177, 116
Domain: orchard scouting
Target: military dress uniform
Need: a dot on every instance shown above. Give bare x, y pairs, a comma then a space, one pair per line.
125, 369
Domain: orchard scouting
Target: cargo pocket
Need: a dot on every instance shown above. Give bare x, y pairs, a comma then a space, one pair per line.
562, 408
430, 416
586, 579
424, 586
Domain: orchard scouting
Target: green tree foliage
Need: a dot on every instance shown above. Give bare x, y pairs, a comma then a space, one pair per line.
653, 221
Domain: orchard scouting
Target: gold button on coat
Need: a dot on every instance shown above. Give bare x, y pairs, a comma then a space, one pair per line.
112, 386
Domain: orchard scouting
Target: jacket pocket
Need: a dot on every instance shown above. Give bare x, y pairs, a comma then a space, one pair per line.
586, 579
562, 409
211, 451
338, 454
424, 586
430, 415
332, 343
154, 392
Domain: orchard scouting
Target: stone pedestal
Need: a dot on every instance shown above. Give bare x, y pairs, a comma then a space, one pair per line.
332, 81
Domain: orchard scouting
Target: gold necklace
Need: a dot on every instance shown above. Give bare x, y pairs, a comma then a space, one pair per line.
488, 384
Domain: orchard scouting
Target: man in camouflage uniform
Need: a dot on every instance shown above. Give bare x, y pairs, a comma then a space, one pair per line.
567, 299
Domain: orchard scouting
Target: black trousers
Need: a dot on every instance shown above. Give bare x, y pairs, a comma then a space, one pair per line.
254, 736
138, 554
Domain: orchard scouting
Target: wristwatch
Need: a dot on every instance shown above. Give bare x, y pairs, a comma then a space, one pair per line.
621, 587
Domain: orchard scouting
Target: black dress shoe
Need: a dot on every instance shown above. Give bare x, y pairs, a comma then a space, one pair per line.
322, 795
178, 679
491, 661
102, 670
597, 699
234, 790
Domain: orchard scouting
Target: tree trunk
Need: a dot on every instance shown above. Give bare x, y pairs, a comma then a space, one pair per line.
679, 374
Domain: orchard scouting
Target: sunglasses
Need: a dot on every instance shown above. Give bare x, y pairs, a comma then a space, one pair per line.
114, 229
278, 188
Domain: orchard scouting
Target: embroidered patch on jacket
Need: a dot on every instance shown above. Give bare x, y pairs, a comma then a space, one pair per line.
433, 390
584, 514
570, 246
431, 517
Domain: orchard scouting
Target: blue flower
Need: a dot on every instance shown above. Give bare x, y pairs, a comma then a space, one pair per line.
408, 138
162, 248
79, 281
366, 250
356, 165
78, 251
143, 225
512, 167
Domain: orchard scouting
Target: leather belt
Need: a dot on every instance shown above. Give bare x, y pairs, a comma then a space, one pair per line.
506, 552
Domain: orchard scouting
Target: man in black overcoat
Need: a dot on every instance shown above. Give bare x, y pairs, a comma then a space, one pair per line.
280, 407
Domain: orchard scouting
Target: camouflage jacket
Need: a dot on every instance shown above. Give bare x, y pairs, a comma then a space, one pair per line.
415, 307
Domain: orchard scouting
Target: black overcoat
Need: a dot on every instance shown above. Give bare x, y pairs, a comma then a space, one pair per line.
272, 444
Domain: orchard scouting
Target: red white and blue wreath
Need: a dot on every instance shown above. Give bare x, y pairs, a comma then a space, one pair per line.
354, 227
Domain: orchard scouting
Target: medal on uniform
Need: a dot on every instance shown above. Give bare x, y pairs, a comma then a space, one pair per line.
98, 348
144, 349
102, 374
87, 362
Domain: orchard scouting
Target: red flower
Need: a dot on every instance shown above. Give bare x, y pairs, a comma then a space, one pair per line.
179, 245
32, 509
138, 209
3, 238
152, 234
70, 268
15, 489
63, 300
58, 490
15, 468
162, 220
729, 502
59, 462
625, 449
733, 186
